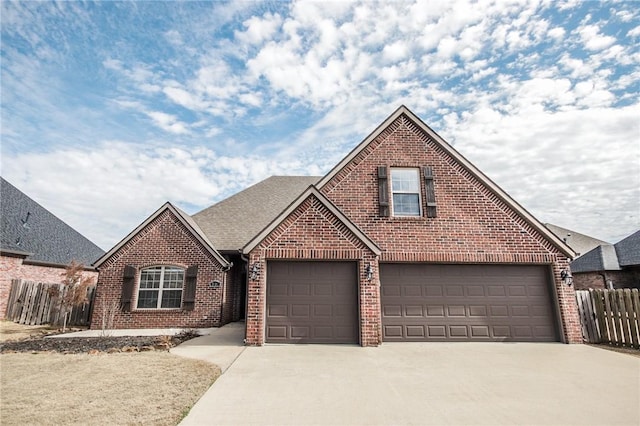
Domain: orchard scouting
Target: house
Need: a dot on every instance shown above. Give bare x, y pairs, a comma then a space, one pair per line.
579, 243
403, 240
609, 266
35, 245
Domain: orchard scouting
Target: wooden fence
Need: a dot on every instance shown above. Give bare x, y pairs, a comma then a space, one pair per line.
610, 316
31, 303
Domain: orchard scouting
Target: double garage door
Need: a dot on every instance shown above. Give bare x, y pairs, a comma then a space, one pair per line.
466, 303
317, 302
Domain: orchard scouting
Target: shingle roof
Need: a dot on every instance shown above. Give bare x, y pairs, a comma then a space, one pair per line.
580, 243
601, 258
628, 250
28, 227
233, 222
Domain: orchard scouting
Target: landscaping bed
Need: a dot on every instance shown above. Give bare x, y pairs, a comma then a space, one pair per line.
94, 345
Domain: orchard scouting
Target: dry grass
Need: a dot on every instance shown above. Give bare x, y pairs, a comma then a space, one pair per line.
140, 388
10, 330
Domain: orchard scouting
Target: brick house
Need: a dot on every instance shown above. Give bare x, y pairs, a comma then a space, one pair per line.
609, 266
35, 245
403, 240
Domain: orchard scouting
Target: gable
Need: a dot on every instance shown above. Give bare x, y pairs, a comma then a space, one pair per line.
166, 223
312, 223
474, 215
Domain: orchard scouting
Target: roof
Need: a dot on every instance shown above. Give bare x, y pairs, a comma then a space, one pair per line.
233, 222
580, 243
628, 250
186, 220
30, 230
495, 189
311, 191
601, 258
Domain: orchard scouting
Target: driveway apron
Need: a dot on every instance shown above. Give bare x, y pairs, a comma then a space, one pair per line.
424, 384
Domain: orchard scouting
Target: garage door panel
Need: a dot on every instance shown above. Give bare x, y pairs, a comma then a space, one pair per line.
435, 311
300, 311
277, 310
312, 302
466, 302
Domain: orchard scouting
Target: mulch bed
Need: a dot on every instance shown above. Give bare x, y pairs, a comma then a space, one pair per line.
96, 345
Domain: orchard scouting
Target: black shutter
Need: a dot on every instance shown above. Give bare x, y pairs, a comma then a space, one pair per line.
383, 191
431, 194
189, 291
128, 280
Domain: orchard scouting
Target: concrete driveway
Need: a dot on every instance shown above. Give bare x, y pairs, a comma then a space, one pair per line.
424, 384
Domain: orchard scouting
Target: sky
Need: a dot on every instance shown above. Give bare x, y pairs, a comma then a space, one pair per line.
109, 109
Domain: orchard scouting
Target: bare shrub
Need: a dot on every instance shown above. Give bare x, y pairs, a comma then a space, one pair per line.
72, 292
109, 311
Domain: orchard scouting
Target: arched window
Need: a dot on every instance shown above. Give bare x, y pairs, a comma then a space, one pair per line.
161, 287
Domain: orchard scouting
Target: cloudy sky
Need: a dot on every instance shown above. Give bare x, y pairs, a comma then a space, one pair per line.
109, 109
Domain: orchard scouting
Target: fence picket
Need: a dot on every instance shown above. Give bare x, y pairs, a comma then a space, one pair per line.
631, 317
596, 296
624, 317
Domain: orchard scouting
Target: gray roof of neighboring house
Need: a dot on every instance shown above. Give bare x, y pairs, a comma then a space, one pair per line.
601, 258
29, 228
628, 250
233, 222
580, 243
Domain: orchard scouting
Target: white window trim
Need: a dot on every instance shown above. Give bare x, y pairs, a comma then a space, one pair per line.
393, 191
161, 288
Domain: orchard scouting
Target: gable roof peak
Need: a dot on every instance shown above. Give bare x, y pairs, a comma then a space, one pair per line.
466, 164
184, 218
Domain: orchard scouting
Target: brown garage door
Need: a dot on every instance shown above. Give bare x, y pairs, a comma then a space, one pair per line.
466, 303
312, 302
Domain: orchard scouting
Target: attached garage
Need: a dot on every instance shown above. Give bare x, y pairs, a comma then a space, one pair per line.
426, 302
312, 302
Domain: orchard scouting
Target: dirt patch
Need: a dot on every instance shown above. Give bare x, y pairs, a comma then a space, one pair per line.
122, 388
10, 330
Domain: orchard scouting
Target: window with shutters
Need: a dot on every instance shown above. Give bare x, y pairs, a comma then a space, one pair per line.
161, 287
405, 190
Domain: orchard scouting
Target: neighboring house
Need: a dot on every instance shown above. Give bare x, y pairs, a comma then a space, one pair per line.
35, 245
609, 265
580, 243
403, 240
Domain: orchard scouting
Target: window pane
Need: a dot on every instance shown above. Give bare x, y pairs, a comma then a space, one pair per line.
150, 278
405, 180
148, 299
406, 205
171, 298
173, 278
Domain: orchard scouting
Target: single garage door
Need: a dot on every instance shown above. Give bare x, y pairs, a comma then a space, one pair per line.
423, 302
312, 302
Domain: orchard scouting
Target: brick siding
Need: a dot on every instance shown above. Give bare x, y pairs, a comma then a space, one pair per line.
473, 225
14, 268
164, 241
620, 279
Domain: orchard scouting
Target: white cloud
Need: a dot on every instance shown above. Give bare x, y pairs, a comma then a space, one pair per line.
557, 33
593, 39
168, 122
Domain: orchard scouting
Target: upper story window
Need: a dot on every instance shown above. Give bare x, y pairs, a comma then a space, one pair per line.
160, 287
405, 190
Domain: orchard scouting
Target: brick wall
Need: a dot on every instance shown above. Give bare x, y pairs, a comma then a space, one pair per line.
619, 279
14, 268
164, 241
473, 225
312, 232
